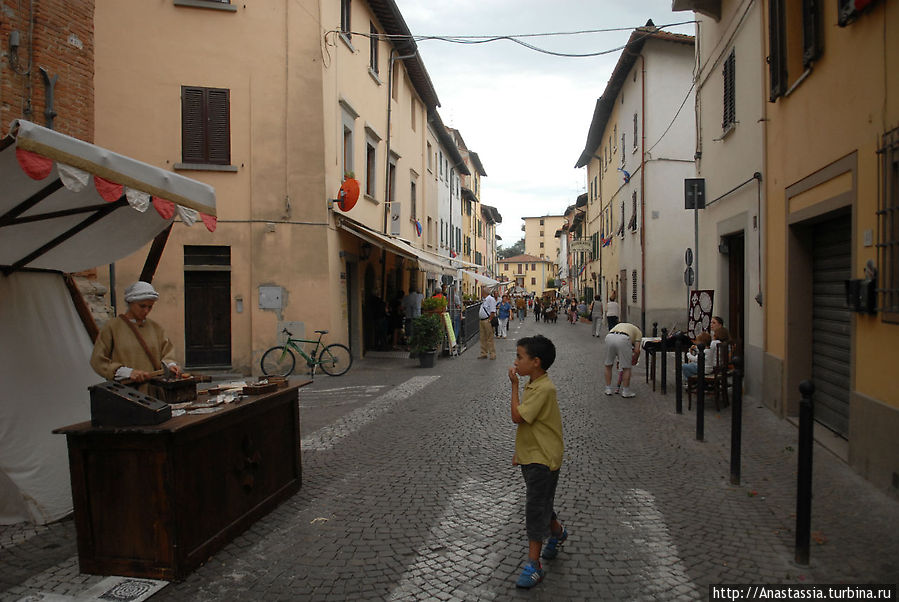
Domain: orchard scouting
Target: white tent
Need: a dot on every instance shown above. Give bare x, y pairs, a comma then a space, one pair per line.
65, 205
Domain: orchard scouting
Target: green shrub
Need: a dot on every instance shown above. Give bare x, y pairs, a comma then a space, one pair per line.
427, 333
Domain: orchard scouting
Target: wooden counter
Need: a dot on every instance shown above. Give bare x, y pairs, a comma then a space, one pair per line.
157, 501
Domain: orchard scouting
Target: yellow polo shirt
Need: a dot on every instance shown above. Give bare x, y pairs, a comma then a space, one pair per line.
539, 438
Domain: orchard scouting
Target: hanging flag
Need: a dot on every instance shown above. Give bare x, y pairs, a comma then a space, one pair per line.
627, 176
418, 227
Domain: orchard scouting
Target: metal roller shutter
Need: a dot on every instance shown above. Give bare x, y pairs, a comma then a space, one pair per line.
831, 323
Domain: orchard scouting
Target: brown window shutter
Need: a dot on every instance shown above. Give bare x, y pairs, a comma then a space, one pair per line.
218, 126
777, 59
192, 125
811, 31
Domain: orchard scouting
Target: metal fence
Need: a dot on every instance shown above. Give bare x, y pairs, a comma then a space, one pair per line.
470, 328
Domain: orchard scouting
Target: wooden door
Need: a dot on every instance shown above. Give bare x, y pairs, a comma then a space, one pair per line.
736, 287
207, 318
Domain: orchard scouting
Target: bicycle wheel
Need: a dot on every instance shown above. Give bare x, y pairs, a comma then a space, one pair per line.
335, 359
278, 361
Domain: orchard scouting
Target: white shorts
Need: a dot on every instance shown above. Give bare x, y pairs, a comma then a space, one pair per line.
618, 347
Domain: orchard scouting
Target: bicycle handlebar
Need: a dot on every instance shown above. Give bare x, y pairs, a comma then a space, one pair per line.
287, 332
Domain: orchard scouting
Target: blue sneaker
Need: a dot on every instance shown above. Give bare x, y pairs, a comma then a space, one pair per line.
531, 575
551, 549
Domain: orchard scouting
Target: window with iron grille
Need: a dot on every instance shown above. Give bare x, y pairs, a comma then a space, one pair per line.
888, 228
634, 279
730, 118
205, 125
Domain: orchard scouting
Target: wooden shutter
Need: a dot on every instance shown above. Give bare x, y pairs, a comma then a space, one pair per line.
777, 51
218, 126
811, 31
192, 125
729, 91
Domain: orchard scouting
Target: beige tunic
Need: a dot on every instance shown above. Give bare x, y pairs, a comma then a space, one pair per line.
117, 346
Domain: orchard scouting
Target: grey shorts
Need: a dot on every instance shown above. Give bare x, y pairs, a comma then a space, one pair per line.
618, 347
540, 483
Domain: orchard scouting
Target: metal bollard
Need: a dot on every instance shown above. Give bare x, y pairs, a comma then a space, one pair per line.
664, 367
804, 479
678, 377
650, 357
700, 392
736, 421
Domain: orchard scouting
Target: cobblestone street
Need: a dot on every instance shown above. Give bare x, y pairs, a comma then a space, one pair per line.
409, 493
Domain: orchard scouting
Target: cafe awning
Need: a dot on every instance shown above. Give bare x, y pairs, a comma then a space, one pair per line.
69, 205
426, 260
485, 280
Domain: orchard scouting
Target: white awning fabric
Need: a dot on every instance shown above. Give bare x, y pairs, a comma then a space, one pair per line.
69, 205
486, 280
426, 260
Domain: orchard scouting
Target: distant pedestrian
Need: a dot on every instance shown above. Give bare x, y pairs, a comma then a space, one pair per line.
503, 311
623, 345
411, 309
596, 315
613, 310
538, 450
487, 315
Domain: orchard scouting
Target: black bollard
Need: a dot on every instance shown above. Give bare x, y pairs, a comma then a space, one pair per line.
651, 357
804, 482
678, 376
700, 392
664, 366
736, 421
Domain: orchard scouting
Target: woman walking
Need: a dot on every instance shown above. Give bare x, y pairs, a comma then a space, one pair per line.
596, 315
613, 310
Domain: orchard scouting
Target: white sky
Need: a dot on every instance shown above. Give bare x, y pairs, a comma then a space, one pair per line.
525, 113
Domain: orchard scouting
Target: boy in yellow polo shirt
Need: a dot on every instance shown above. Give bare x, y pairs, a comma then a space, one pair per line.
538, 450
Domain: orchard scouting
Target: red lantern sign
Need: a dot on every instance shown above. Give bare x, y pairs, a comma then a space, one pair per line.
349, 194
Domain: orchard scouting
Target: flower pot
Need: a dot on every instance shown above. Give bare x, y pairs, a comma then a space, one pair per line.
426, 359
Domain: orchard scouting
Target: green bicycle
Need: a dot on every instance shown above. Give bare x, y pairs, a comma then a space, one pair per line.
335, 359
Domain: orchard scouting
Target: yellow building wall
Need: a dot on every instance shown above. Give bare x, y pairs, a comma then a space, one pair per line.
144, 54
805, 135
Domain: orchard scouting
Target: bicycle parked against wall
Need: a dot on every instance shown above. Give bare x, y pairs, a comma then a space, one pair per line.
335, 359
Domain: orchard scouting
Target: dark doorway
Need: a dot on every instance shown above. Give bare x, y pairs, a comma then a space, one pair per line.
207, 305
736, 286
207, 318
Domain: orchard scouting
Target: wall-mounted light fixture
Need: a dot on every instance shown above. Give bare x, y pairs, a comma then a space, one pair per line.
365, 250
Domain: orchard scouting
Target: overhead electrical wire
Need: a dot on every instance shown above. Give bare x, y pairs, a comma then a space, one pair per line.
486, 39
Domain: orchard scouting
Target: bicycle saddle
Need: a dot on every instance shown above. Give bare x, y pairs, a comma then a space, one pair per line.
322, 331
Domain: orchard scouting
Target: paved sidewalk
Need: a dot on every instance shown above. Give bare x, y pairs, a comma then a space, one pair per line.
408, 493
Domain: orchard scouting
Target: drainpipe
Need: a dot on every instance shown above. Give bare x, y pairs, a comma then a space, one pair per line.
643, 193
393, 58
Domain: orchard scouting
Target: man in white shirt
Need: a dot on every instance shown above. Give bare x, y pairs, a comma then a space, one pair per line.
486, 314
411, 309
623, 346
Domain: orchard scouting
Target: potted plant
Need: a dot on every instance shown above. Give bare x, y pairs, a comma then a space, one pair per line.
433, 305
427, 334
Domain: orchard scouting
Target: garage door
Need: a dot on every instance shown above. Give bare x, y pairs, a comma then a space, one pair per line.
831, 323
